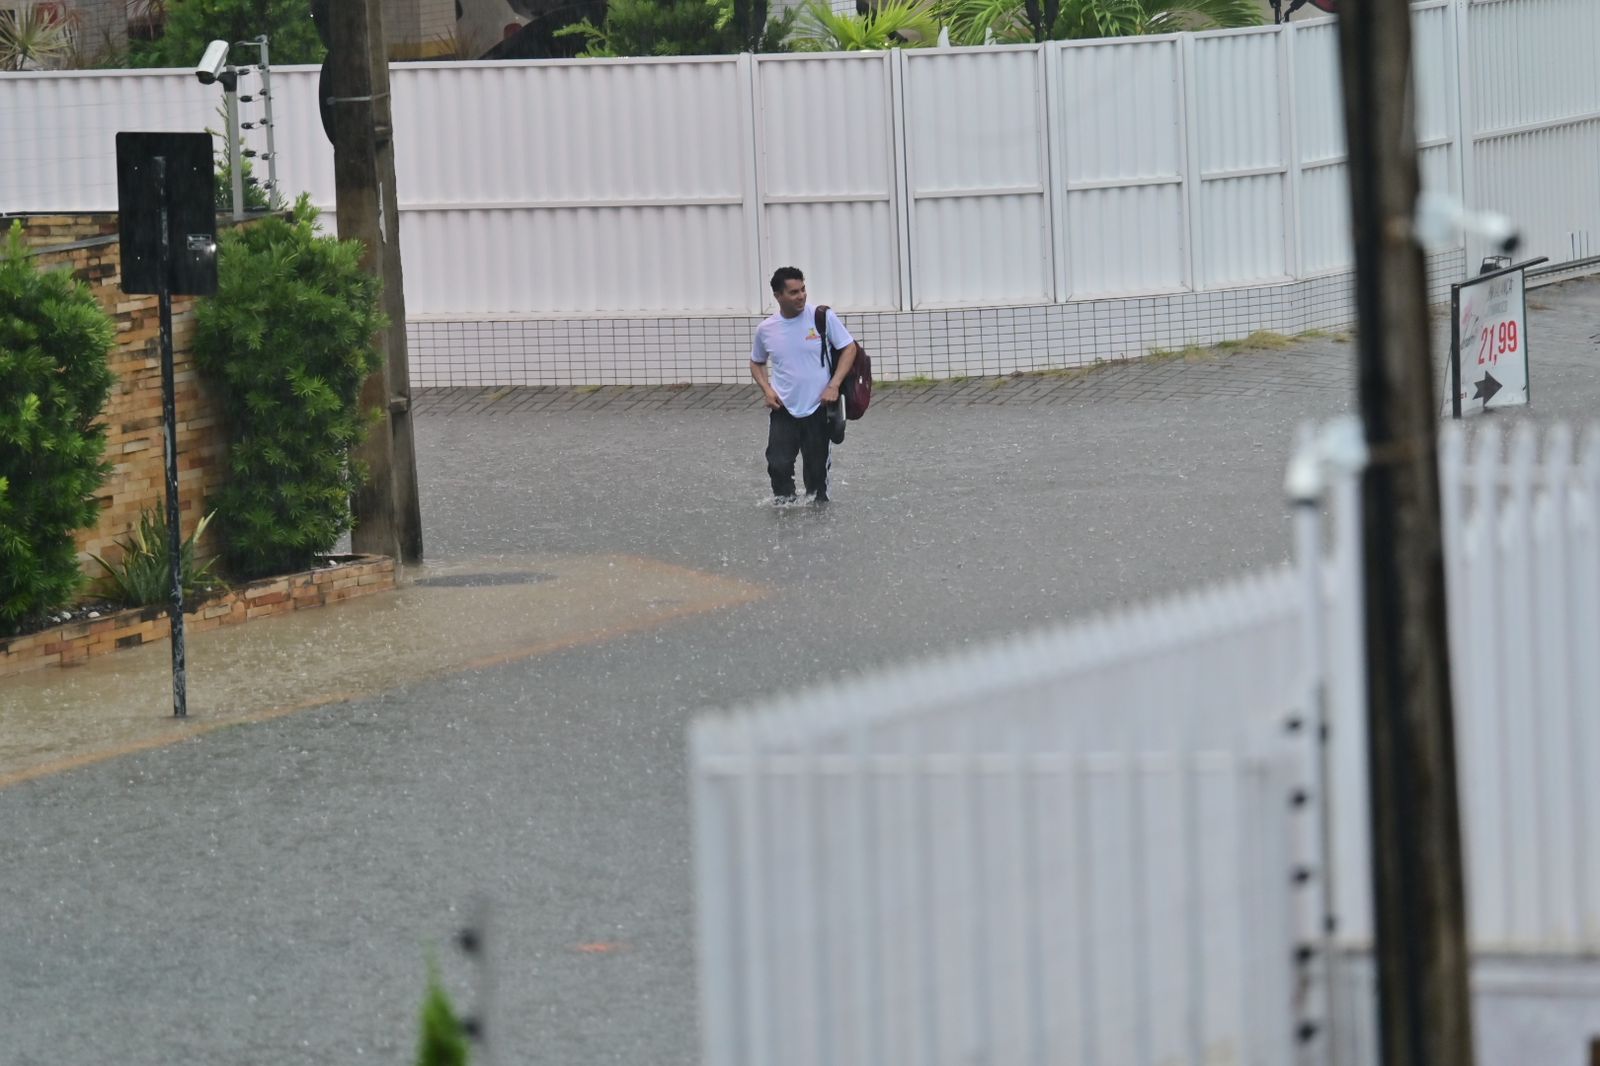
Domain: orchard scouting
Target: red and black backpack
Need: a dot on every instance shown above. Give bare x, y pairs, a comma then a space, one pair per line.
856, 388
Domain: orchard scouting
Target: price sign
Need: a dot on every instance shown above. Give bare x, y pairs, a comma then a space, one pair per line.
1488, 362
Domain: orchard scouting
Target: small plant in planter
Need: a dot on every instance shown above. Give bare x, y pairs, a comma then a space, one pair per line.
143, 576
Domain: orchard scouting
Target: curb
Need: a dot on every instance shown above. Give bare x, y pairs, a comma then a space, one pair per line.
75, 643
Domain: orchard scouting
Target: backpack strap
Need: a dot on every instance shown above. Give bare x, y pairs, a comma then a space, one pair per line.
821, 322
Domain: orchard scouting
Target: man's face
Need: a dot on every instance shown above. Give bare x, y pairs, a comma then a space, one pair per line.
792, 298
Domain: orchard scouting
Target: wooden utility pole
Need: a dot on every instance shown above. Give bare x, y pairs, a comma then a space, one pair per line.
407, 505
1419, 903
388, 519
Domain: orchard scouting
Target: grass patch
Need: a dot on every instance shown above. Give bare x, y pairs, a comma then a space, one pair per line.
915, 381
587, 388
1262, 340
1189, 354
1070, 372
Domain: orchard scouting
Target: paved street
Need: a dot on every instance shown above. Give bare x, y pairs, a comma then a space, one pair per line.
270, 892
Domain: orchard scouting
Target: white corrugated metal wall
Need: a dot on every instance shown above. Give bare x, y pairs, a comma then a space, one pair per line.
900, 180
1242, 224
1323, 184
829, 176
57, 131
1122, 139
1532, 87
575, 188
978, 177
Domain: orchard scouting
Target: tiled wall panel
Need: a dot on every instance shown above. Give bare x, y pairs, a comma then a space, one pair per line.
935, 344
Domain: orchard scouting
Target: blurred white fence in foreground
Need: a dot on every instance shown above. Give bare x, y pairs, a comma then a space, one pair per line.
1116, 842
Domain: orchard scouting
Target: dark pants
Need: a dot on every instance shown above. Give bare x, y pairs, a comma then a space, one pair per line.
807, 437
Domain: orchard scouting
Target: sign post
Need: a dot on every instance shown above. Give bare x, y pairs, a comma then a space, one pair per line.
1488, 342
168, 234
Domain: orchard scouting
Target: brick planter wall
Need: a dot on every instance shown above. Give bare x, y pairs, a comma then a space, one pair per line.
77, 642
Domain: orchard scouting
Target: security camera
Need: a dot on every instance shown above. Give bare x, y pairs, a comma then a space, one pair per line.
213, 63
1497, 229
1440, 221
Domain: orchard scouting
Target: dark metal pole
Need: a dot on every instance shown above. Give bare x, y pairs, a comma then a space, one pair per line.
169, 411
1419, 906
1455, 351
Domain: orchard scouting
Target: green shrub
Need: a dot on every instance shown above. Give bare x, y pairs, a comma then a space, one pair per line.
191, 24
255, 197
682, 28
286, 344
54, 380
143, 576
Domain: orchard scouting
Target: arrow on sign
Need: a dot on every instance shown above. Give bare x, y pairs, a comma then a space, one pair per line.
1487, 386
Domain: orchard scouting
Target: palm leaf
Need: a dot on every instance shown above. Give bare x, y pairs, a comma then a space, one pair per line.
1082, 19
975, 22
34, 38
894, 24
1170, 16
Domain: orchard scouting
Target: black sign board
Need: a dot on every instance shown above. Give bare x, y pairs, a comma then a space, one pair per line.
191, 212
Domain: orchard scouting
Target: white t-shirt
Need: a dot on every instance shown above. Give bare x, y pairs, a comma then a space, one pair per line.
793, 353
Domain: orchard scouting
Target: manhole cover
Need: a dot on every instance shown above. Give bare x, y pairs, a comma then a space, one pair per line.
479, 581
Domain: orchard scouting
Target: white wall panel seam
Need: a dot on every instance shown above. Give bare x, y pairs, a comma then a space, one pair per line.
1041, 112
1055, 169
894, 138
758, 104
977, 194
904, 274
756, 286
834, 198
1294, 213
1126, 183
451, 66
575, 205
1543, 126
1190, 164
1244, 172
1461, 108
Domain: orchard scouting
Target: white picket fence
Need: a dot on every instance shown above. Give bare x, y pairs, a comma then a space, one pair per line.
1112, 843
1522, 552
907, 180
974, 863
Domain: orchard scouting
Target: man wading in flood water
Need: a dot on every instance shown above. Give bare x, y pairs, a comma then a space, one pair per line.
790, 364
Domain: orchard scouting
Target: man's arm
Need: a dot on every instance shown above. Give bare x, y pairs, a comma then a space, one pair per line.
847, 359
759, 372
